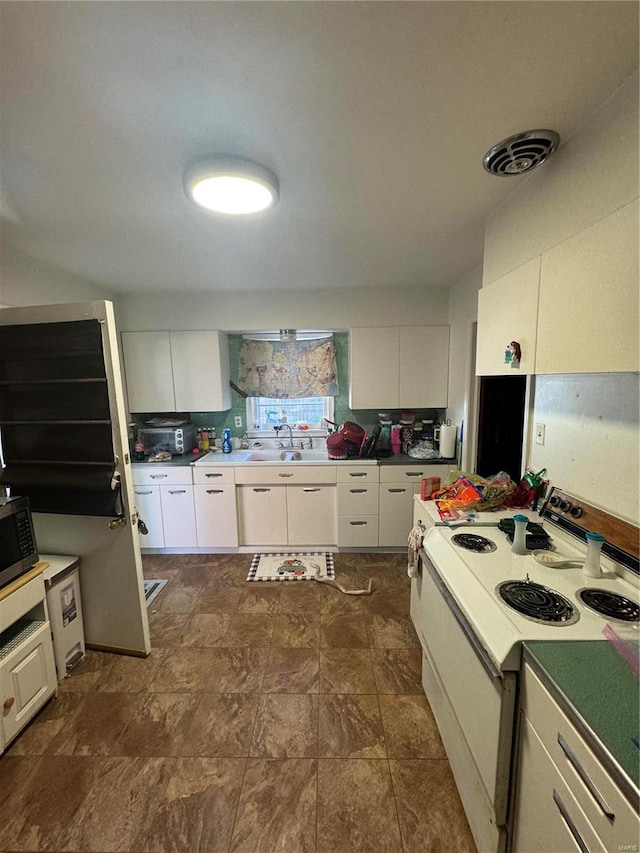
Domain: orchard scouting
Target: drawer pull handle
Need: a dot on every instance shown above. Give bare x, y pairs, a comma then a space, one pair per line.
397, 491
590, 785
358, 523
414, 473
262, 490
566, 817
311, 490
177, 491
158, 476
357, 473
8, 703
215, 491
213, 475
358, 491
285, 475
144, 493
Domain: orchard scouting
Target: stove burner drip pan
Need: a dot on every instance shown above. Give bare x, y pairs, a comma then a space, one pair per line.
609, 604
473, 542
537, 603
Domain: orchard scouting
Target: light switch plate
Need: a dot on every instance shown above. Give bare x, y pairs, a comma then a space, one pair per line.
238, 421
540, 429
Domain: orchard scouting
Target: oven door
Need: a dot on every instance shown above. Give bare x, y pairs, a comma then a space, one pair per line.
473, 703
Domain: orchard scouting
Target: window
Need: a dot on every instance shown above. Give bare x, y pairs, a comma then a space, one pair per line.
263, 413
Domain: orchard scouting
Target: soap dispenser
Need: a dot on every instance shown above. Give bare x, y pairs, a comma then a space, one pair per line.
591, 567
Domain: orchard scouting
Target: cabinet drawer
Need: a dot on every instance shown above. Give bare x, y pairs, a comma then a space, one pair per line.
286, 475
153, 475
358, 498
415, 473
21, 601
358, 531
574, 758
223, 474
357, 473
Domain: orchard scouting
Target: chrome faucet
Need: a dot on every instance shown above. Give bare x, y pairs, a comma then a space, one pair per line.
278, 427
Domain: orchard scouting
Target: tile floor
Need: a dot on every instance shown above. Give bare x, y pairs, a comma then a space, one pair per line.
269, 718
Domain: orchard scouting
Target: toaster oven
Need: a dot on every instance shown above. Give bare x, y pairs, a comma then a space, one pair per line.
180, 439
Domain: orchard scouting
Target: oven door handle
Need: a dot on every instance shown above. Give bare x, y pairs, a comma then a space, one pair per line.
481, 653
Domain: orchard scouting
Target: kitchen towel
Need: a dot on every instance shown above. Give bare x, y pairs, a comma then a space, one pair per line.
291, 567
416, 535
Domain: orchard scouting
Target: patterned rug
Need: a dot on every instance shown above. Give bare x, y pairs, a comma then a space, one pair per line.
152, 589
291, 567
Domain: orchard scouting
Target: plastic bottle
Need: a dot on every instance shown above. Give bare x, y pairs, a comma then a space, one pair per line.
591, 567
139, 448
205, 440
396, 441
519, 545
226, 441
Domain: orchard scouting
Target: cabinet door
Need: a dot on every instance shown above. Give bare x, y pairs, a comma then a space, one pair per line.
508, 311
150, 510
424, 367
147, 364
262, 515
178, 516
588, 320
374, 366
200, 371
311, 515
396, 513
27, 680
216, 518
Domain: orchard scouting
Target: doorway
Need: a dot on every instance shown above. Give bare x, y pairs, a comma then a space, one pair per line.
501, 417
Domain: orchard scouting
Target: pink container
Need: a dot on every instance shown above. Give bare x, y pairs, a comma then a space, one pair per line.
396, 442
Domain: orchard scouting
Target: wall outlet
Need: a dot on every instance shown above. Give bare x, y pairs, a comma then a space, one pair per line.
540, 428
238, 421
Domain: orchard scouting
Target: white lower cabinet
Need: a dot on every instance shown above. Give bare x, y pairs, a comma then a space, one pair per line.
262, 515
398, 485
566, 800
149, 508
311, 515
27, 667
178, 516
216, 517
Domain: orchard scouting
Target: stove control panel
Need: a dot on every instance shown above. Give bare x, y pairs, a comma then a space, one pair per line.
579, 517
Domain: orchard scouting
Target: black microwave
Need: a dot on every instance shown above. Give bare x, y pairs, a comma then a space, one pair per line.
18, 550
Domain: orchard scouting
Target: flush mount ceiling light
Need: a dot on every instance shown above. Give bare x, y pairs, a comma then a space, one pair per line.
231, 185
521, 153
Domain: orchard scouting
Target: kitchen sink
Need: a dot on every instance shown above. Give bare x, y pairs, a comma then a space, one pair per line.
288, 454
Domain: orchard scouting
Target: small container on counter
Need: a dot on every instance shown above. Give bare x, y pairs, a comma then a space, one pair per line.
591, 567
396, 439
428, 487
519, 545
226, 441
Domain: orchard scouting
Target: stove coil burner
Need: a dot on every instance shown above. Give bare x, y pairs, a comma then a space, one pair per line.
537, 603
609, 604
472, 542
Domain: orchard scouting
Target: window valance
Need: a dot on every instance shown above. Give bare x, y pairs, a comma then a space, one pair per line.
288, 369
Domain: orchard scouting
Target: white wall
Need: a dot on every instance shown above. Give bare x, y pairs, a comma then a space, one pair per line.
336, 309
463, 312
25, 281
591, 442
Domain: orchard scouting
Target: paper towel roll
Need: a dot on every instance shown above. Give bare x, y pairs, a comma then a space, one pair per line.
448, 435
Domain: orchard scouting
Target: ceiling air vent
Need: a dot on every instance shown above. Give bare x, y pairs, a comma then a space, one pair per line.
521, 153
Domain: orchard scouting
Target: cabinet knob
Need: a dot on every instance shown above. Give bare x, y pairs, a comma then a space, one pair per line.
8, 703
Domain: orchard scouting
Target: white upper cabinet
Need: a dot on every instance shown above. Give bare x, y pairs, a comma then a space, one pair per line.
177, 371
588, 318
391, 367
508, 311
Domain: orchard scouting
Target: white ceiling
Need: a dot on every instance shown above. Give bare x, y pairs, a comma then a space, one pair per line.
374, 116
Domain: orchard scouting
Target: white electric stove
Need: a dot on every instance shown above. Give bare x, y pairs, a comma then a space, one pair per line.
472, 638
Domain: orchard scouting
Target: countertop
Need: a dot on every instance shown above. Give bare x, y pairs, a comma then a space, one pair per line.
215, 459
598, 691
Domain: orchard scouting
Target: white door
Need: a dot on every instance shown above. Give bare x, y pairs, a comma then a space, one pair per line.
424, 367
374, 368
149, 372
262, 515
178, 516
311, 515
200, 371
216, 517
149, 508
113, 603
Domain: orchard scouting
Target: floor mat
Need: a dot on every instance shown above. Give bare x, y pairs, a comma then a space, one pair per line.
152, 589
291, 567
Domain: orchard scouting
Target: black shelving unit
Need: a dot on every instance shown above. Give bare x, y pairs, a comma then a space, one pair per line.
55, 422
